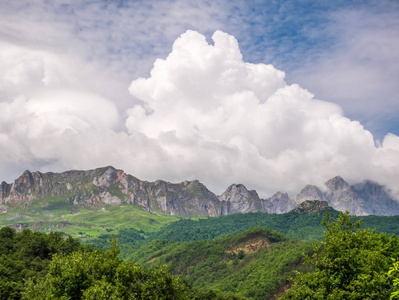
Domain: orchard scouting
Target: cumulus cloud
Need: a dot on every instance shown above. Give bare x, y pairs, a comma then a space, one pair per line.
203, 112
231, 121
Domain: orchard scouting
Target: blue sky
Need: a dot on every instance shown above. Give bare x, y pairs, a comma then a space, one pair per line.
66, 68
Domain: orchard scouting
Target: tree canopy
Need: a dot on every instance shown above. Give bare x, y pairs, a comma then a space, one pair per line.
27, 254
97, 275
351, 263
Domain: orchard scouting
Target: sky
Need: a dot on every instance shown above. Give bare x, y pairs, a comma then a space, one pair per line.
271, 94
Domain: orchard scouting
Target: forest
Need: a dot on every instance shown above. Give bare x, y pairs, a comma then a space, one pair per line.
350, 261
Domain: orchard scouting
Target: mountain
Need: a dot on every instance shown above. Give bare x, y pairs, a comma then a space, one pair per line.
109, 186
366, 198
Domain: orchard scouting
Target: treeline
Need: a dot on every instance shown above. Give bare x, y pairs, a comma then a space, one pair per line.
293, 225
305, 227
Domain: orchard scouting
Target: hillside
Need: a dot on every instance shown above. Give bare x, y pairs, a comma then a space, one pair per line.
254, 263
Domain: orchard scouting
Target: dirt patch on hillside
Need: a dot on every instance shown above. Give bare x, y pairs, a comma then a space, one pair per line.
153, 259
252, 246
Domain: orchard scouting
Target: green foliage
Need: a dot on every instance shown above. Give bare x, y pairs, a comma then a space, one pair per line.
293, 225
212, 294
102, 275
394, 270
256, 273
26, 255
130, 238
351, 263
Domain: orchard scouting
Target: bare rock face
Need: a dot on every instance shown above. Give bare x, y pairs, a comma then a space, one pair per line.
337, 184
5, 189
342, 197
21, 191
311, 206
309, 192
376, 198
189, 198
240, 200
109, 186
366, 198
110, 176
277, 204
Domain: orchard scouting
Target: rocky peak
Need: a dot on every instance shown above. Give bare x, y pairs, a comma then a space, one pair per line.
110, 176
278, 196
371, 189
24, 183
278, 203
234, 192
311, 206
4, 191
309, 192
376, 198
337, 184
241, 199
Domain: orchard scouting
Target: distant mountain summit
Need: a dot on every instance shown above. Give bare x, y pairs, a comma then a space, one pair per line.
189, 198
366, 198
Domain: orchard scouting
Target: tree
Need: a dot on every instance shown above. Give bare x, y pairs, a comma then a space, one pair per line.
27, 254
102, 275
351, 263
394, 270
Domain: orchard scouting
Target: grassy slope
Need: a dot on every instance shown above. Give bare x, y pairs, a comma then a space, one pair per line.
59, 215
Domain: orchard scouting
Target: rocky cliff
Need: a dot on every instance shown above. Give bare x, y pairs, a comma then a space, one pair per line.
189, 198
311, 206
366, 198
111, 186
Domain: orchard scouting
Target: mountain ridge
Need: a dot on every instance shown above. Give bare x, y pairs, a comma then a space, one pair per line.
108, 185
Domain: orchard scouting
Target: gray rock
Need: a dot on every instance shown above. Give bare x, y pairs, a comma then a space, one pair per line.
240, 200
188, 198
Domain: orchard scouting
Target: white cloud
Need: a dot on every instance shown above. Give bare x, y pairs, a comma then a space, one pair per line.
204, 112
358, 70
234, 121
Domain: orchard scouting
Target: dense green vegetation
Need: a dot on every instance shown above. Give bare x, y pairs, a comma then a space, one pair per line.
351, 263
36, 265
230, 257
293, 225
394, 272
253, 263
99, 275
26, 255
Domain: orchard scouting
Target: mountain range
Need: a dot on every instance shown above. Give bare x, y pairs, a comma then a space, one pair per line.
189, 198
